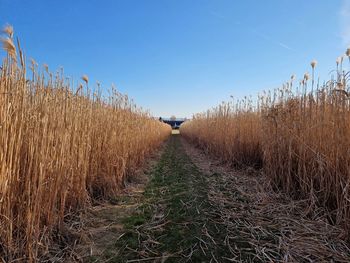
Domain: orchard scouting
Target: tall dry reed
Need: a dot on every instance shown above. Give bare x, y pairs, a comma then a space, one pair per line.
299, 134
229, 131
60, 148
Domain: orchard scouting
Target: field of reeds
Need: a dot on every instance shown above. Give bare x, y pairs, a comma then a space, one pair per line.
299, 135
61, 147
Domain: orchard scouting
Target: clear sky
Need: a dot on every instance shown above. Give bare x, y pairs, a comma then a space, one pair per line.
178, 57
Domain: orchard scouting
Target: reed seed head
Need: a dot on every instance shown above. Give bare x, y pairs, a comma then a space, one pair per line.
338, 61
9, 47
33, 62
306, 76
348, 52
46, 67
313, 64
8, 30
85, 78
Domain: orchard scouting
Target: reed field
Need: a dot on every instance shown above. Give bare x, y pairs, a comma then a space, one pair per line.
299, 135
61, 147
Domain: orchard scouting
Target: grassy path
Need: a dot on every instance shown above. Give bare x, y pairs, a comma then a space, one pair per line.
172, 224
194, 211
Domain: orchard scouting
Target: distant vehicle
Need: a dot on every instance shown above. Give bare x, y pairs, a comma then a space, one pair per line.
173, 122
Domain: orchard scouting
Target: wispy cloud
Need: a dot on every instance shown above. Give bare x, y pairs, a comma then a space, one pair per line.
285, 46
271, 40
253, 31
345, 22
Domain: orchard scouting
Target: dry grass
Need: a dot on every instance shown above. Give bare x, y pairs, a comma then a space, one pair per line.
262, 225
298, 134
60, 148
229, 131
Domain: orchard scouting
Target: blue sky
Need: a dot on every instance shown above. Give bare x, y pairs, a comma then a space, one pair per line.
178, 57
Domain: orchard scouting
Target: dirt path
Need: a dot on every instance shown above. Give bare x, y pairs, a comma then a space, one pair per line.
195, 210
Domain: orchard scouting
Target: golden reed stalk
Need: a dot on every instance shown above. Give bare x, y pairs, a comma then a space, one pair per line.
300, 137
59, 149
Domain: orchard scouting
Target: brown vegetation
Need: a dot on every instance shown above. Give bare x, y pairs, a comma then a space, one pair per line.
60, 148
300, 136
